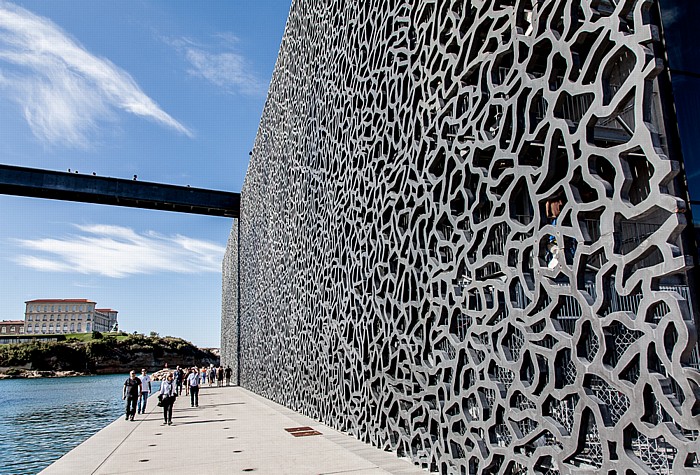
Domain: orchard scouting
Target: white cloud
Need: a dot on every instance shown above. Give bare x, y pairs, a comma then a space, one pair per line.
116, 251
227, 69
64, 91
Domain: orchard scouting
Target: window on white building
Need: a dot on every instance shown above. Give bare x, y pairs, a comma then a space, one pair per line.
30, 318
3, 330
21, 329
87, 327
80, 325
72, 327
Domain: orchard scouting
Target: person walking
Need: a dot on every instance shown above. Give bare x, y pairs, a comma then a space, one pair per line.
220, 376
168, 394
228, 373
145, 392
132, 391
178, 377
212, 375
193, 383
187, 386
203, 375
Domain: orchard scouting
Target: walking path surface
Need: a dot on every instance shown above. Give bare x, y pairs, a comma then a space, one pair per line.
232, 431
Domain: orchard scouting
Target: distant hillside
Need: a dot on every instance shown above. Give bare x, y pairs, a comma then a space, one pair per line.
107, 354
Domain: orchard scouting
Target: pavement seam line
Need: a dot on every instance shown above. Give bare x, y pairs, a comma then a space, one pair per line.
136, 426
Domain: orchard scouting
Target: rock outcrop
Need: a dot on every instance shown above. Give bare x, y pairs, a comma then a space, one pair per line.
100, 356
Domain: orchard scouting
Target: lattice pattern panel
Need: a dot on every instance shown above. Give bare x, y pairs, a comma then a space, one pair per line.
229, 303
461, 238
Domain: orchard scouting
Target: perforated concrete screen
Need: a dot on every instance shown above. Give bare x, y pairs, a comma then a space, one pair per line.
463, 239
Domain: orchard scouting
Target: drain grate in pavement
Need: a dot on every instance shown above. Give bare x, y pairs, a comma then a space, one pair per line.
302, 431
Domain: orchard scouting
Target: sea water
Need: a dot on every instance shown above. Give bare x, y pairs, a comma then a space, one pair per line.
42, 419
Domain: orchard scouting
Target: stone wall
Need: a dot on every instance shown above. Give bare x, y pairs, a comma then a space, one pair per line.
463, 238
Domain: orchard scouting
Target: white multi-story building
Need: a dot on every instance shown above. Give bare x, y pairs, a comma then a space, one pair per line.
44, 316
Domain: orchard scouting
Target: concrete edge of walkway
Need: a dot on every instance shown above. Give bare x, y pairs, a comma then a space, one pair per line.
98, 447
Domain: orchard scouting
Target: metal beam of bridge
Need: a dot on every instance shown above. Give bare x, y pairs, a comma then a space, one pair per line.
65, 186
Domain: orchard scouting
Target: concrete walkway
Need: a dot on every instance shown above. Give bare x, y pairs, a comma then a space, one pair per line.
232, 431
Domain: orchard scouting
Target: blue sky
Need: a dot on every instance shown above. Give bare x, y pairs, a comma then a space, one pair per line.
171, 91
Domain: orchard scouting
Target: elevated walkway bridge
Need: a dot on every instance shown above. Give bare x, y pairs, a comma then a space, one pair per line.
39, 183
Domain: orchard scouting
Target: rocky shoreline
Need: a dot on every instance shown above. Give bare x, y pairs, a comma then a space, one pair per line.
14, 373
106, 355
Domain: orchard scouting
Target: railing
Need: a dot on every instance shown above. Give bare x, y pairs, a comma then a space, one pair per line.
570, 310
657, 454
521, 300
539, 109
501, 74
592, 227
616, 401
523, 219
573, 108
463, 324
447, 348
632, 234
489, 270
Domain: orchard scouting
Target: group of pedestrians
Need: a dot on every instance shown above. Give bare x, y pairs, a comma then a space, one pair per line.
216, 375
137, 389
136, 392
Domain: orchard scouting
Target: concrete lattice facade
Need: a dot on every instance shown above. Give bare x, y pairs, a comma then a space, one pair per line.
462, 237
229, 304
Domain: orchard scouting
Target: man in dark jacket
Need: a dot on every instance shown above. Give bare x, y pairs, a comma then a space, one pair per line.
132, 391
178, 376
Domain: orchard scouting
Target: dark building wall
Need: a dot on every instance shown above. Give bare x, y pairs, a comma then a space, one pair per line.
402, 274
678, 19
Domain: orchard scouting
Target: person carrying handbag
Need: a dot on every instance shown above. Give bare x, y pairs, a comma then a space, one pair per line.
168, 393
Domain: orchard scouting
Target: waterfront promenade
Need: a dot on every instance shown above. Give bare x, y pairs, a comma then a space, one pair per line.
232, 431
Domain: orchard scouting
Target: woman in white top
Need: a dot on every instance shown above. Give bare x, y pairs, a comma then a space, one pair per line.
168, 393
